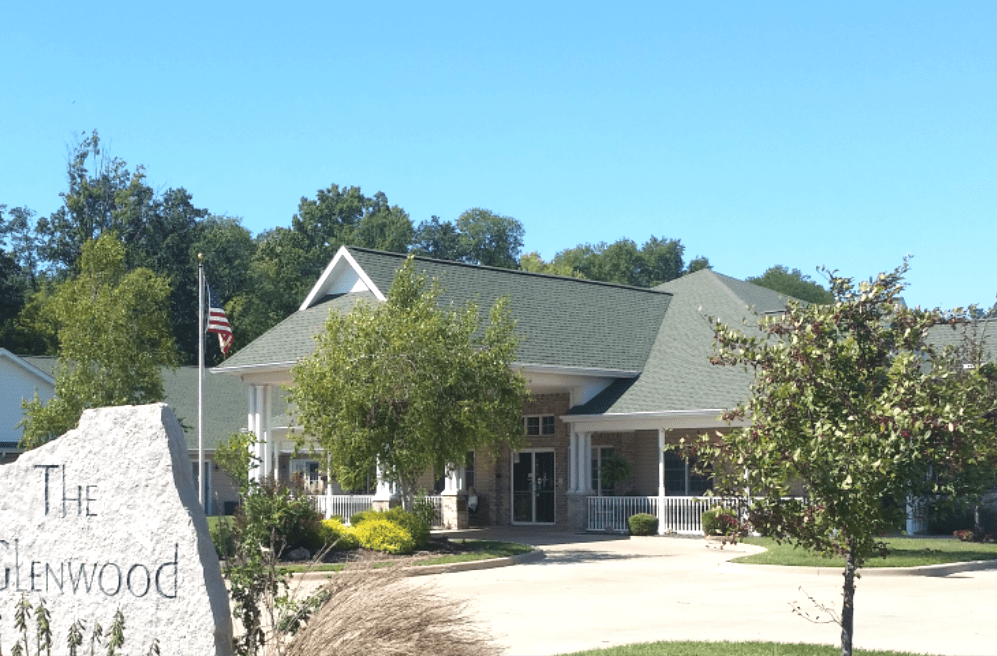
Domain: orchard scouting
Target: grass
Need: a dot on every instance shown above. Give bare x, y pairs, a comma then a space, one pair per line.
904, 552
729, 649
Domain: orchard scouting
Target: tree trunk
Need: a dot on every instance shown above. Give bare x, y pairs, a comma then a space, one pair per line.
848, 604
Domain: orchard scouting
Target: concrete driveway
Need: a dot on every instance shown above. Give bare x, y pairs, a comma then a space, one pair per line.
597, 591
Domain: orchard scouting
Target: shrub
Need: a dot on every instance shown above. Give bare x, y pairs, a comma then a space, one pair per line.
384, 535
359, 517
424, 509
271, 508
223, 537
643, 524
719, 521
337, 536
416, 527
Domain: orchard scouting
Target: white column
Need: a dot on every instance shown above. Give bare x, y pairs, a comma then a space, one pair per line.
661, 481
584, 463
454, 482
253, 426
573, 462
385, 489
271, 454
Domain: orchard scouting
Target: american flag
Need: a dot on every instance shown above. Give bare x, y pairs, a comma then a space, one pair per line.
218, 322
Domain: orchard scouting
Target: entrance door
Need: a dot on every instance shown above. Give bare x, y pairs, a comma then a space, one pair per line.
533, 487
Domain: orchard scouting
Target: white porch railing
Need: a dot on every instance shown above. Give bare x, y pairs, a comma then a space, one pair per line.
679, 514
346, 505
343, 505
437, 502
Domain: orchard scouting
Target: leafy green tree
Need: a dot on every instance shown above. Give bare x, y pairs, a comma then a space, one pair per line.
384, 227
114, 337
622, 262
792, 283
534, 263
407, 386
437, 239
697, 264
11, 295
90, 204
662, 260
843, 404
489, 239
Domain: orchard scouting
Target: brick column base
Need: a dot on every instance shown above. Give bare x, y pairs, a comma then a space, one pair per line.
455, 511
577, 510
382, 505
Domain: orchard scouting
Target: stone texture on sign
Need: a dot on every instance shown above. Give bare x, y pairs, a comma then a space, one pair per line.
106, 517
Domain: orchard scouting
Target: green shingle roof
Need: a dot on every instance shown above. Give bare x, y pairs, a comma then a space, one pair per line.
294, 337
563, 322
678, 375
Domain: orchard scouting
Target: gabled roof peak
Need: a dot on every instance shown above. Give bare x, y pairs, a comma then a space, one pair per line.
498, 270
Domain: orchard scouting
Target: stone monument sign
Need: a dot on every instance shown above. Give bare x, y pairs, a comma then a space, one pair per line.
104, 518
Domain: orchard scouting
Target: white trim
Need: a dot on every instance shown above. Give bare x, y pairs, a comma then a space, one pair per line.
699, 419
256, 368
656, 414
593, 372
323, 285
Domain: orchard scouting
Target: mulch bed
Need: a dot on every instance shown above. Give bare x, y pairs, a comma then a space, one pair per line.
436, 546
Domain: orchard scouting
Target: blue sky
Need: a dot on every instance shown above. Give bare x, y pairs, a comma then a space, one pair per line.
843, 134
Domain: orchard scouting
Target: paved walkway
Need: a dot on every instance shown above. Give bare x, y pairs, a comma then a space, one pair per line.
596, 591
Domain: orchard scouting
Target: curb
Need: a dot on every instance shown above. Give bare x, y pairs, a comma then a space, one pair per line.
491, 563
945, 569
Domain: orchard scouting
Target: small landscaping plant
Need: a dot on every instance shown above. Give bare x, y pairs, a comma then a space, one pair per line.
643, 524
416, 527
384, 535
337, 536
43, 643
719, 521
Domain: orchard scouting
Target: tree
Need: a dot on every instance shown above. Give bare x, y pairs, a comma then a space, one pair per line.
534, 263
406, 386
622, 262
792, 283
89, 204
843, 403
437, 239
384, 227
490, 239
114, 336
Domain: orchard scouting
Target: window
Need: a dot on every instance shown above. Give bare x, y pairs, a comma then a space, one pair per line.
469, 471
681, 478
538, 425
306, 474
599, 455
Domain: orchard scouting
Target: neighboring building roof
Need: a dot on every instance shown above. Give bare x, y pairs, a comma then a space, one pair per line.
678, 375
42, 375
955, 335
224, 401
563, 322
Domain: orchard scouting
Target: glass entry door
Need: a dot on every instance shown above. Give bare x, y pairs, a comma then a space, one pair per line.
533, 487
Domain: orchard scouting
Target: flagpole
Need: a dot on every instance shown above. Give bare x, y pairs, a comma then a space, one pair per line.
200, 380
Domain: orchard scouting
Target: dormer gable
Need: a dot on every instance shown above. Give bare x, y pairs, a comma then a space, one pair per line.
342, 276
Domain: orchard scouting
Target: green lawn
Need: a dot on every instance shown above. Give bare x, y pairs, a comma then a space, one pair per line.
904, 552
729, 649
